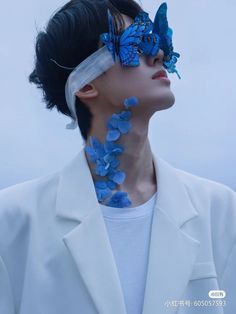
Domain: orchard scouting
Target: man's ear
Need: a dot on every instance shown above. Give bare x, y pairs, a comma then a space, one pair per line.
89, 91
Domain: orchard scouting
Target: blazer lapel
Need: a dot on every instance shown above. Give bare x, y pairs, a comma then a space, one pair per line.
88, 243
172, 251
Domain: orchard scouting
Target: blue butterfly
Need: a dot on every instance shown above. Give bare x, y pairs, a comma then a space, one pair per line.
161, 38
125, 45
143, 36
165, 33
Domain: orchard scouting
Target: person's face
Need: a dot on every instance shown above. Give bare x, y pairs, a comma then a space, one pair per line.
121, 82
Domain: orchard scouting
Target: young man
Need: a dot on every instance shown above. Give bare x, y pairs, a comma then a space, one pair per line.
118, 230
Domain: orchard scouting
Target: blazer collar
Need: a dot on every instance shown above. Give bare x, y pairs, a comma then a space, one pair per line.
172, 252
76, 187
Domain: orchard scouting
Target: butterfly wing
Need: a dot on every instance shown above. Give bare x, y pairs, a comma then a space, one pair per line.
165, 33
129, 55
143, 18
161, 28
160, 22
150, 44
129, 42
133, 34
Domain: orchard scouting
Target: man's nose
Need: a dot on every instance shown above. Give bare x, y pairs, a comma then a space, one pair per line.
152, 60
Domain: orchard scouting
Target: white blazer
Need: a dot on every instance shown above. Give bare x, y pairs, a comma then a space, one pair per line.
56, 258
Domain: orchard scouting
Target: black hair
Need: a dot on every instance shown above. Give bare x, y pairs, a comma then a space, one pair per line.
71, 35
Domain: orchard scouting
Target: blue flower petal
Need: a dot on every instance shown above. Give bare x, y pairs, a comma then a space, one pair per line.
114, 148
108, 158
119, 199
109, 146
117, 151
118, 177
102, 193
91, 153
114, 163
131, 102
112, 185
113, 122
101, 170
97, 146
112, 135
124, 126
125, 115
100, 184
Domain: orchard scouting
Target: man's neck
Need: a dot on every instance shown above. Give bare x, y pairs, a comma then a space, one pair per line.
136, 162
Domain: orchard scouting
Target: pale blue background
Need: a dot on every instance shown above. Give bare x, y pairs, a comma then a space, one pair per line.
197, 134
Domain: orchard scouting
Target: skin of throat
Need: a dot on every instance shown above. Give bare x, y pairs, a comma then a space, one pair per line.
136, 161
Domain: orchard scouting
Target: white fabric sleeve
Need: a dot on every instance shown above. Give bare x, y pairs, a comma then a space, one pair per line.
6, 296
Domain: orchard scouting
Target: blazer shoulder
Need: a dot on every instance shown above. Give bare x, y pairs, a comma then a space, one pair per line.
210, 198
18, 195
198, 185
214, 200
20, 205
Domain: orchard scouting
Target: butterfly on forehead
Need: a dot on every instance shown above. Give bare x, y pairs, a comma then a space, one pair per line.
125, 45
142, 36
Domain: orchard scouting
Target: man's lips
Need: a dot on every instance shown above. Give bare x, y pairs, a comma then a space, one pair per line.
160, 73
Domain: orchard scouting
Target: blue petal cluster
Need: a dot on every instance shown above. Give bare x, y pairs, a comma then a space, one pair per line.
118, 124
105, 157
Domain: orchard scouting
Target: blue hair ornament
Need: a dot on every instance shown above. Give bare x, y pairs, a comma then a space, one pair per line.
105, 157
143, 36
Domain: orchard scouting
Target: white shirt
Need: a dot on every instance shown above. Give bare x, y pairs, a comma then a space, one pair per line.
129, 232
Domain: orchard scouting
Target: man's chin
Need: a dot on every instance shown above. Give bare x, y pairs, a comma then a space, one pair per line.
164, 103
